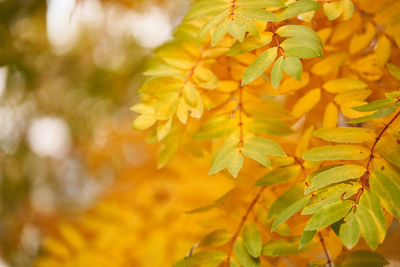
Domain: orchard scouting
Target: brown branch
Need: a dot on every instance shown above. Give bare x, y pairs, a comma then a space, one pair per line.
367, 173
241, 224
275, 36
240, 124
328, 258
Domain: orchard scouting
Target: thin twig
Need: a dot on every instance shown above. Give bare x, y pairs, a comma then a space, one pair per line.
328, 258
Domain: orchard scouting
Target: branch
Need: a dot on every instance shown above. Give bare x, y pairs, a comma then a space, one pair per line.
367, 173
241, 224
328, 258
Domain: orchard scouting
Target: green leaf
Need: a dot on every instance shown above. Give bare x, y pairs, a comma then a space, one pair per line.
257, 156
277, 72
375, 105
221, 158
330, 195
297, 8
215, 127
261, 3
257, 14
209, 25
252, 239
278, 176
250, 43
293, 67
215, 238
202, 9
257, 68
237, 30
329, 214
394, 70
263, 145
281, 247
290, 211
382, 113
349, 231
388, 191
205, 258
389, 149
338, 152
361, 258
302, 47
345, 134
235, 163
299, 31
244, 257
286, 199
306, 237
335, 175
333, 10
370, 217
220, 32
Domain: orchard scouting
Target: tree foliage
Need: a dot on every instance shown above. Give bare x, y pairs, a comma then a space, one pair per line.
296, 99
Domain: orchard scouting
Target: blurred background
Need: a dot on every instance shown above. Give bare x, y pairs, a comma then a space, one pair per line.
69, 71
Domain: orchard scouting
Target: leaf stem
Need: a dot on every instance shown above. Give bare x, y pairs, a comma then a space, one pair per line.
367, 173
241, 224
275, 36
240, 124
328, 258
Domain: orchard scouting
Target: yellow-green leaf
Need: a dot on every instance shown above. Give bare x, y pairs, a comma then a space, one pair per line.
290, 211
329, 215
278, 176
388, 191
345, 134
338, 152
257, 68
252, 239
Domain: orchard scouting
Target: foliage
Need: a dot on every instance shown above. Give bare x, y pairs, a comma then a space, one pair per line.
296, 100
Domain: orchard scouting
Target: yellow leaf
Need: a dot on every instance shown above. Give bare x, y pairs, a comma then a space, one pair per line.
163, 128
360, 41
227, 86
72, 236
348, 111
307, 102
368, 68
182, 111
354, 95
190, 94
144, 121
304, 141
343, 84
382, 51
330, 63
330, 116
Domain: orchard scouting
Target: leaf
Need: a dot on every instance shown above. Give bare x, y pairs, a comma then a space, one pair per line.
278, 176
389, 149
221, 158
167, 152
297, 8
306, 237
337, 152
252, 239
346, 135
257, 14
244, 258
256, 155
343, 85
394, 70
300, 32
329, 215
333, 10
257, 68
377, 115
220, 32
209, 25
375, 105
290, 211
270, 127
202, 9
361, 258
163, 129
349, 231
281, 247
306, 102
237, 30
387, 190
335, 175
371, 219
250, 43
302, 47
215, 127
293, 67
286, 199
277, 72
204, 258
263, 145
215, 238
235, 163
